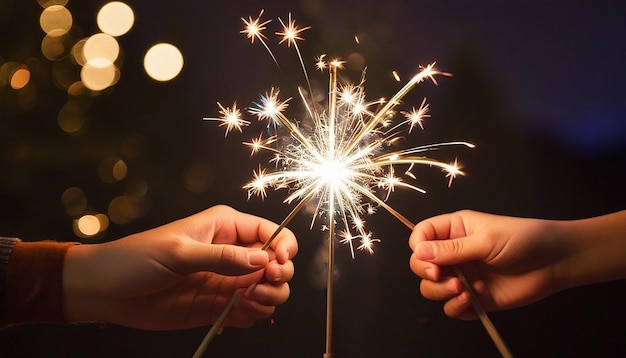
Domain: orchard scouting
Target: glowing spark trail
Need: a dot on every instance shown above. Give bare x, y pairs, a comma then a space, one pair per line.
337, 156
254, 31
231, 118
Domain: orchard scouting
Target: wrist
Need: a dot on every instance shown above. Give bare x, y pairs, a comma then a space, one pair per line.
597, 249
566, 243
79, 298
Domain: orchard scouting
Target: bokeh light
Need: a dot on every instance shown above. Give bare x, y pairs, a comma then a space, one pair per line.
48, 3
197, 177
6, 72
74, 201
101, 45
84, 65
55, 18
104, 221
64, 73
112, 169
125, 208
98, 74
115, 18
78, 53
88, 225
71, 118
77, 89
20, 77
355, 62
100, 52
139, 189
163, 62
56, 44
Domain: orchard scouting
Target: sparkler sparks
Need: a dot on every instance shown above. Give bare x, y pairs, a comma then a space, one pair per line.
339, 155
417, 116
291, 32
231, 118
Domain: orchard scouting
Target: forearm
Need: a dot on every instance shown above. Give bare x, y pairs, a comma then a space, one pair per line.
598, 249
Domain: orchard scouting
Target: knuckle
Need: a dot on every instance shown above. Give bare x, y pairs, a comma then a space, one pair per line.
454, 247
227, 255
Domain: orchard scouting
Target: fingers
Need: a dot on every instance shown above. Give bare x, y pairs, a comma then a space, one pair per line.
424, 269
223, 238
232, 226
441, 242
285, 246
260, 299
284, 243
448, 239
449, 289
223, 241
227, 260
442, 290
246, 312
279, 273
274, 290
268, 294
438, 286
444, 227
258, 302
460, 307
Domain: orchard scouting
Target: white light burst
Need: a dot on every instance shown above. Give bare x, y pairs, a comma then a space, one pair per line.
338, 153
340, 156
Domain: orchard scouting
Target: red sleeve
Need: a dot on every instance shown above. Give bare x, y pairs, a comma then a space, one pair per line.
34, 282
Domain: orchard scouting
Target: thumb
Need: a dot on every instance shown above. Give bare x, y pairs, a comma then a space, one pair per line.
449, 252
227, 260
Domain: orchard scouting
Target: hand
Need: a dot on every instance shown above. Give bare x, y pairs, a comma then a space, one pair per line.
509, 261
182, 274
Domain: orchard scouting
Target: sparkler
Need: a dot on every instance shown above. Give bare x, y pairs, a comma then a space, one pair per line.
337, 156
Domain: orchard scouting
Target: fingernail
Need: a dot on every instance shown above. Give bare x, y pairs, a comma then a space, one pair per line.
257, 258
424, 251
430, 273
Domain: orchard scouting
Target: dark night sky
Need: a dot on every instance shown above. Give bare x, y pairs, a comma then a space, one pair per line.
538, 86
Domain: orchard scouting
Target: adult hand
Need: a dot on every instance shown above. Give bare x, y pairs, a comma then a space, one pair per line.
182, 274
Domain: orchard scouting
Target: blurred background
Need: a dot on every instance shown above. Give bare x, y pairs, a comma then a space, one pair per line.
101, 108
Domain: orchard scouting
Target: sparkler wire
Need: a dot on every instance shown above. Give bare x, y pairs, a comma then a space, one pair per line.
330, 283
218, 324
478, 308
480, 311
